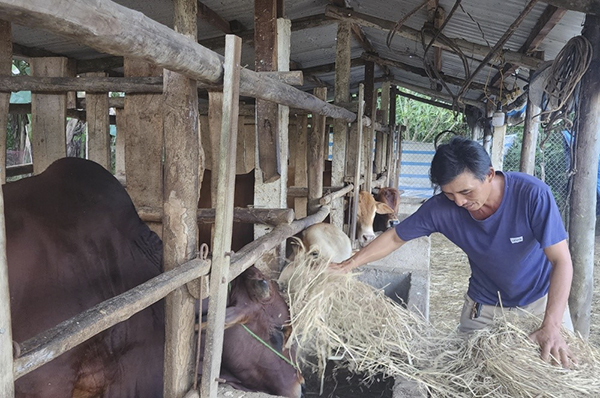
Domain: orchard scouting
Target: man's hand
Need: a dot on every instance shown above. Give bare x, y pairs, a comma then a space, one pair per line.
553, 345
344, 267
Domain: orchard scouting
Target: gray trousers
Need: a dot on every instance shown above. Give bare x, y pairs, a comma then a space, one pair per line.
489, 312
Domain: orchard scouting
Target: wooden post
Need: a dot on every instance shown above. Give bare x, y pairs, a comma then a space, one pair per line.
298, 149
368, 132
340, 127
271, 182
215, 121
120, 146
5, 70
224, 219
48, 116
6, 348
398, 157
379, 143
358, 143
583, 198
390, 138
180, 206
530, 137
316, 156
144, 141
98, 127
498, 146
265, 47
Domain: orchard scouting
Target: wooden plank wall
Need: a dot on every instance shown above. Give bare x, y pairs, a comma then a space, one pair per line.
48, 115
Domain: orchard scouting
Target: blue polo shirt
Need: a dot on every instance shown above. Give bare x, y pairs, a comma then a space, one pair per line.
506, 250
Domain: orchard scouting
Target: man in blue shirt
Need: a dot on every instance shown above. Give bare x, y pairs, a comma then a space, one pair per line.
509, 226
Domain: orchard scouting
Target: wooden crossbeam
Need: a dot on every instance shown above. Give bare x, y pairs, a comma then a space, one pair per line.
352, 16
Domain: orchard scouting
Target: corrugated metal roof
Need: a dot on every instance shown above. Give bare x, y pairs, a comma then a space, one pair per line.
477, 21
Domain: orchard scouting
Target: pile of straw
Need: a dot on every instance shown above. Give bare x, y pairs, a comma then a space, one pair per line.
335, 316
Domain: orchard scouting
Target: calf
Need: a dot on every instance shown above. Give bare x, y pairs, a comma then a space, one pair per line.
330, 241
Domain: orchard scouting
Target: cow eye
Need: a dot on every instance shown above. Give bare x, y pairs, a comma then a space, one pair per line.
277, 338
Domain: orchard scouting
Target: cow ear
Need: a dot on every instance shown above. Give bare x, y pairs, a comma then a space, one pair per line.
235, 316
382, 208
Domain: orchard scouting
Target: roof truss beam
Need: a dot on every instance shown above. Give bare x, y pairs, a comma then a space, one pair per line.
413, 34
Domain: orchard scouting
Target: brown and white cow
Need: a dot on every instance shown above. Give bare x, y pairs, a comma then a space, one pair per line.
391, 197
367, 208
74, 239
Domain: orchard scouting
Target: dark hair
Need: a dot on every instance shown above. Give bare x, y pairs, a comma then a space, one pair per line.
459, 155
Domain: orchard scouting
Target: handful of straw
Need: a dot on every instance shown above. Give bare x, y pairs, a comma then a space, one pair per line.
335, 316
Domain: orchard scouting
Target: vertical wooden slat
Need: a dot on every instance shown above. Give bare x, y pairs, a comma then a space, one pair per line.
48, 116
583, 198
379, 143
215, 120
530, 137
316, 156
358, 143
144, 141
299, 148
6, 351
223, 220
390, 138
98, 126
368, 131
265, 47
5, 70
340, 128
180, 203
120, 146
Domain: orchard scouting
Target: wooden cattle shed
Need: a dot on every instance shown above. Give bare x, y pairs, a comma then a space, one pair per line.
286, 75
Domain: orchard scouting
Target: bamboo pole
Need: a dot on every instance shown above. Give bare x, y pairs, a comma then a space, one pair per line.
224, 219
117, 30
48, 345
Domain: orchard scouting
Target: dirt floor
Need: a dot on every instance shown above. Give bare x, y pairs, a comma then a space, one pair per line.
449, 279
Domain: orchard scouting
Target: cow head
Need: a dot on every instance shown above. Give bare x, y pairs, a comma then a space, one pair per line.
391, 197
255, 302
367, 208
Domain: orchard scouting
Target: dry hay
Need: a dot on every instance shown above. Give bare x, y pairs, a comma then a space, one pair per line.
335, 316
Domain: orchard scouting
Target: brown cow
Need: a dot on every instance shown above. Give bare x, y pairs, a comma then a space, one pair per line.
74, 239
391, 197
255, 303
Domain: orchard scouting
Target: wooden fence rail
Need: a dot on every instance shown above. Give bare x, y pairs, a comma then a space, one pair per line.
48, 345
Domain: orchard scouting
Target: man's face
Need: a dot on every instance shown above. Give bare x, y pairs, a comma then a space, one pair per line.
469, 192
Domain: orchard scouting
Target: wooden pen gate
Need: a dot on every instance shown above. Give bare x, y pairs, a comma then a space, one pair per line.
183, 59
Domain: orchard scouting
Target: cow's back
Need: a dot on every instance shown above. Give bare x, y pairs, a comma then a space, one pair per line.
74, 240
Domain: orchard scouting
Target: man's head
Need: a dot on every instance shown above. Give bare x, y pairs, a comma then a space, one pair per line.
463, 171
456, 157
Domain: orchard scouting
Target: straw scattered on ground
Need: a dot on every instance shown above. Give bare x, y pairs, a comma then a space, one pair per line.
335, 316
